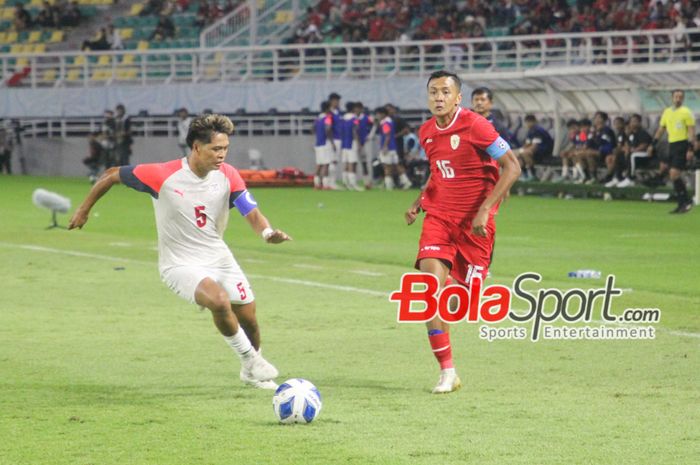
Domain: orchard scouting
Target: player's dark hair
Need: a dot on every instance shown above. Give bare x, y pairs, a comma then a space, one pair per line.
571, 123
334, 95
530, 117
444, 73
678, 90
350, 106
585, 122
619, 118
204, 126
637, 116
482, 91
381, 110
602, 114
325, 106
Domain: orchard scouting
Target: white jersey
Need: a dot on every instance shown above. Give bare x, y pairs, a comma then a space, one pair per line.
191, 212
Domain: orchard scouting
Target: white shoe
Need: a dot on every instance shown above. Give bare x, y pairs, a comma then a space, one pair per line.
248, 379
627, 182
613, 183
256, 367
406, 186
449, 382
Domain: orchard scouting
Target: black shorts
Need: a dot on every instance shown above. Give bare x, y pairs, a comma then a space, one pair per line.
676, 155
541, 154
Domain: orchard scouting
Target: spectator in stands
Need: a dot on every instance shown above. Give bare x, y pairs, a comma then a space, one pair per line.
100, 42
22, 19
116, 38
123, 139
71, 16
537, 147
183, 125
45, 17
600, 144
568, 150
152, 7
6, 146
165, 29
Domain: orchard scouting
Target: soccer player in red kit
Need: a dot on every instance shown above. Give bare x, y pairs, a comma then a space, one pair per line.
460, 200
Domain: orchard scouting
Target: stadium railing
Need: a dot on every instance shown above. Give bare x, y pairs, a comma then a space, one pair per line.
585, 53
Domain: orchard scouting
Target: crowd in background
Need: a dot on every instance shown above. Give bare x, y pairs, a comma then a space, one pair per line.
391, 20
57, 15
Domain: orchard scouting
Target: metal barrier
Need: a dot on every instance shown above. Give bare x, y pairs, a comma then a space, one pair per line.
586, 53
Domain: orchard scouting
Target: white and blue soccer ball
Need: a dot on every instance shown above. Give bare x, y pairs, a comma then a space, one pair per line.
296, 401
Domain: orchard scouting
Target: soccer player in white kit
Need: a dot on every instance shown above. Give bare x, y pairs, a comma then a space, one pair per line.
192, 197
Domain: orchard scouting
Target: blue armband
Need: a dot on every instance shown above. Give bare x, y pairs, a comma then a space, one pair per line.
244, 202
498, 148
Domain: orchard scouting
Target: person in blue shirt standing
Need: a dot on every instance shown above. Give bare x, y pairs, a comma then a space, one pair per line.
323, 129
364, 129
388, 155
538, 146
334, 104
349, 140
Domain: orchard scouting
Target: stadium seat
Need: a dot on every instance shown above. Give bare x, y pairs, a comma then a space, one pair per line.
126, 33
74, 74
284, 16
136, 8
143, 45
101, 75
38, 48
104, 60
49, 75
56, 36
127, 74
34, 36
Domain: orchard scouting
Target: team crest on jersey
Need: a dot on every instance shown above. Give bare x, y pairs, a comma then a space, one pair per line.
454, 141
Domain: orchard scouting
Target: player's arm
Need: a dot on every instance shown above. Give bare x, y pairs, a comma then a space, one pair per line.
510, 172
415, 208
657, 135
259, 223
109, 178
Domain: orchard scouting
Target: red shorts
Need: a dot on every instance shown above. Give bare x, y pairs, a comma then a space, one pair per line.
455, 243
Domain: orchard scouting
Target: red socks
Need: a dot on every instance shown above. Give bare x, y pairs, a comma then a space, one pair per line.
440, 343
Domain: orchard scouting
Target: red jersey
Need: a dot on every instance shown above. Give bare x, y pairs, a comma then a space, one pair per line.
463, 166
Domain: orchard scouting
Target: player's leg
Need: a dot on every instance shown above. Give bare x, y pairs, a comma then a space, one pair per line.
245, 313
677, 154
435, 257
213, 296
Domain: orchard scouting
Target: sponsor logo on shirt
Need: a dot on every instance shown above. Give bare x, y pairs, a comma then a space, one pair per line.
431, 247
428, 141
179, 192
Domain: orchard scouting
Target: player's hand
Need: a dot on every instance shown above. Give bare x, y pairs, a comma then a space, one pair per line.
479, 224
412, 213
278, 236
79, 219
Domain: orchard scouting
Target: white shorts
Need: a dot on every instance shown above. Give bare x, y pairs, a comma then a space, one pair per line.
350, 155
183, 280
335, 154
389, 158
322, 155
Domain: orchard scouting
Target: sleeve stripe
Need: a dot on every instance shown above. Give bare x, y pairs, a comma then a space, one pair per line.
498, 148
129, 179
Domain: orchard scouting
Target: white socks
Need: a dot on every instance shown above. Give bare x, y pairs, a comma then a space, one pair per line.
317, 182
240, 344
388, 183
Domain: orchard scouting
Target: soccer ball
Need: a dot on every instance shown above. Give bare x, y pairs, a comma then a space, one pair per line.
296, 401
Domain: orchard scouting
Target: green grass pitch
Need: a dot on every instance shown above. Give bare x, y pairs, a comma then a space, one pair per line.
101, 364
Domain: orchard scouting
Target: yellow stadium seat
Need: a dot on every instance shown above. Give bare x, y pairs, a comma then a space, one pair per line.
126, 74
284, 16
136, 8
56, 36
2, 2
261, 4
102, 75
7, 14
36, 3
73, 74
104, 60
3, 36
49, 75
34, 36
11, 37
143, 45
17, 48
39, 48
22, 62
126, 33
128, 59
79, 60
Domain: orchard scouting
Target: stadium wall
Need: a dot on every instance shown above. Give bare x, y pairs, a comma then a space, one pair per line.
63, 157
285, 96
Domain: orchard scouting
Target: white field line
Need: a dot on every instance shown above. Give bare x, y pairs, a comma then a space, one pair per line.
305, 266
367, 273
357, 290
